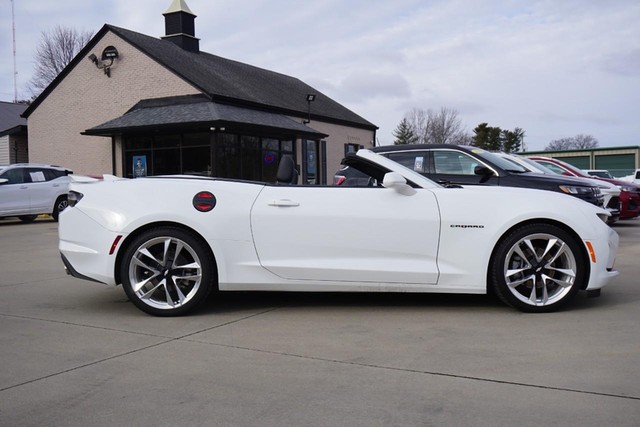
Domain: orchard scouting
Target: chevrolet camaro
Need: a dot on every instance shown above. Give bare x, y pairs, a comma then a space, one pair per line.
170, 241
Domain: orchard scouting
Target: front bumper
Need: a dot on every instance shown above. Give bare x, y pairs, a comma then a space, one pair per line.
606, 250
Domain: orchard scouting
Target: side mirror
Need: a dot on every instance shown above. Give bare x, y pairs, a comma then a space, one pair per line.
3, 180
395, 181
483, 171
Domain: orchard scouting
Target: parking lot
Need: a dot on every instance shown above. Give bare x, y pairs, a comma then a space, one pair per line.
77, 353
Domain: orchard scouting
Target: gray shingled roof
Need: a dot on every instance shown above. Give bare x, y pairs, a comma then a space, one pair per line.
10, 116
225, 81
235, 82
193, 111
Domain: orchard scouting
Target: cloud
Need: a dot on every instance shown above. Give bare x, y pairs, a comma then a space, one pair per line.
552, 68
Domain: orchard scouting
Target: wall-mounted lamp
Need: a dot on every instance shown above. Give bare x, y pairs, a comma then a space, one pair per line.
310, 98
109, 54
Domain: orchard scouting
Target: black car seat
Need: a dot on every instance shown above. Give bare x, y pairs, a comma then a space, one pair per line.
287, 173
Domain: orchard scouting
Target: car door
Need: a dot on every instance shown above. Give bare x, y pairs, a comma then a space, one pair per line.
362, 235
14, 194
43, 189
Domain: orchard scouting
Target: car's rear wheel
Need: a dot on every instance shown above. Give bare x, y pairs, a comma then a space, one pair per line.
27, 218
538, 268
167, 271
61, 204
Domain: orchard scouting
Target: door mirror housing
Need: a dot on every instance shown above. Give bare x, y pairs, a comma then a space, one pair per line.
3, 181
483, 171
397, 182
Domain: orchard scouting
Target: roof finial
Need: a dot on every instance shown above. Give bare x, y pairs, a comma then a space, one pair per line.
179, 6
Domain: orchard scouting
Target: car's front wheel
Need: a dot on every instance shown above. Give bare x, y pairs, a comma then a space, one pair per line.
538, 268
167, 271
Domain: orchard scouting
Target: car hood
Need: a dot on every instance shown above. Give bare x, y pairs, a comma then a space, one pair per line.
559, 179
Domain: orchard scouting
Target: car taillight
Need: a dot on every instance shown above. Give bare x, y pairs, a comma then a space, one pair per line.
339, 179
74, 197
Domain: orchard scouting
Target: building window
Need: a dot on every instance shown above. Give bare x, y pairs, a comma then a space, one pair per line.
351, 148
223, 155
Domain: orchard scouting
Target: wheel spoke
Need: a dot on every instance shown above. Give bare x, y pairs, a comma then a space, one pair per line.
529, 245
140, 263
168, 295
139, 285
181, 296
150, 292
525, 279
521, 254
165, 252
550, 244
145, 252
562, 283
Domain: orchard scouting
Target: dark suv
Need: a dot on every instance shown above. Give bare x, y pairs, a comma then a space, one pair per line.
463, 165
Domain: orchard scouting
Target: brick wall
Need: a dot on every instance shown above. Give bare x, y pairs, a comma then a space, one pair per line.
87, 98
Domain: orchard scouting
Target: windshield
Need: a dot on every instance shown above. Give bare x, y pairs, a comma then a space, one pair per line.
497, 160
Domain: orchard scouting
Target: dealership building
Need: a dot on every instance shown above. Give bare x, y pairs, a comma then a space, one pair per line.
130, 105
619, 161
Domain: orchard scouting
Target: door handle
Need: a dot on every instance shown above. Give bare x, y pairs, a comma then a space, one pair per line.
284, 203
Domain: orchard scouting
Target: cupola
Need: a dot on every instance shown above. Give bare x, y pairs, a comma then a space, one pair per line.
179, 25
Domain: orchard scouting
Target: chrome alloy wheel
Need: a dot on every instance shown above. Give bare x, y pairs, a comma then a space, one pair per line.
540, 269
165, 273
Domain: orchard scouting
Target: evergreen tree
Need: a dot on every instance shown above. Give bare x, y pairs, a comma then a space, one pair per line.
404, 133
495, 139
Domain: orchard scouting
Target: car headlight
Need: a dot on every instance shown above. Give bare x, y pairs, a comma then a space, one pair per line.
578, 190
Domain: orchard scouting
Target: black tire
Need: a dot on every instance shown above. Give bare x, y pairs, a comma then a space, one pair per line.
60, 205
167, 271
27, 218
538, 268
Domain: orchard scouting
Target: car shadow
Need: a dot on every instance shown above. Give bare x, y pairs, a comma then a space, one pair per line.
9, 222
222, 302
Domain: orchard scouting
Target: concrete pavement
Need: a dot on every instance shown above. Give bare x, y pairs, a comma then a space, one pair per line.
77, 353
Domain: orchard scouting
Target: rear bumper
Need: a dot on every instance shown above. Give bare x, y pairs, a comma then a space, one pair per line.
85, 246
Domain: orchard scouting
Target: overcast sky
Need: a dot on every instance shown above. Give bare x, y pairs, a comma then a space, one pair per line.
554, 68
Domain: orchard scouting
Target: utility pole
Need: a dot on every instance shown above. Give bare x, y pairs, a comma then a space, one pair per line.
15, 70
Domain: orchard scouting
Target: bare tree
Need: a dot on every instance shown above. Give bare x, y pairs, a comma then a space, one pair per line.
56, 49
444, 127
578, 142
417, 120
437, 127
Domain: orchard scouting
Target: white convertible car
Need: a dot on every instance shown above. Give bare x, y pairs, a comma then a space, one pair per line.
172, 240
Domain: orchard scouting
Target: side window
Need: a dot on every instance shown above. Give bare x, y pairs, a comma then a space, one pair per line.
49, 174
453, 163
14, 176
416, 161
553, 168
35, 175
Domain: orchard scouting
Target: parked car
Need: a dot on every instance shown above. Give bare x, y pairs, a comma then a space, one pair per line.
610, 193
634, 177
171, 240
602, 173
629, 192
461, 165
27, 190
